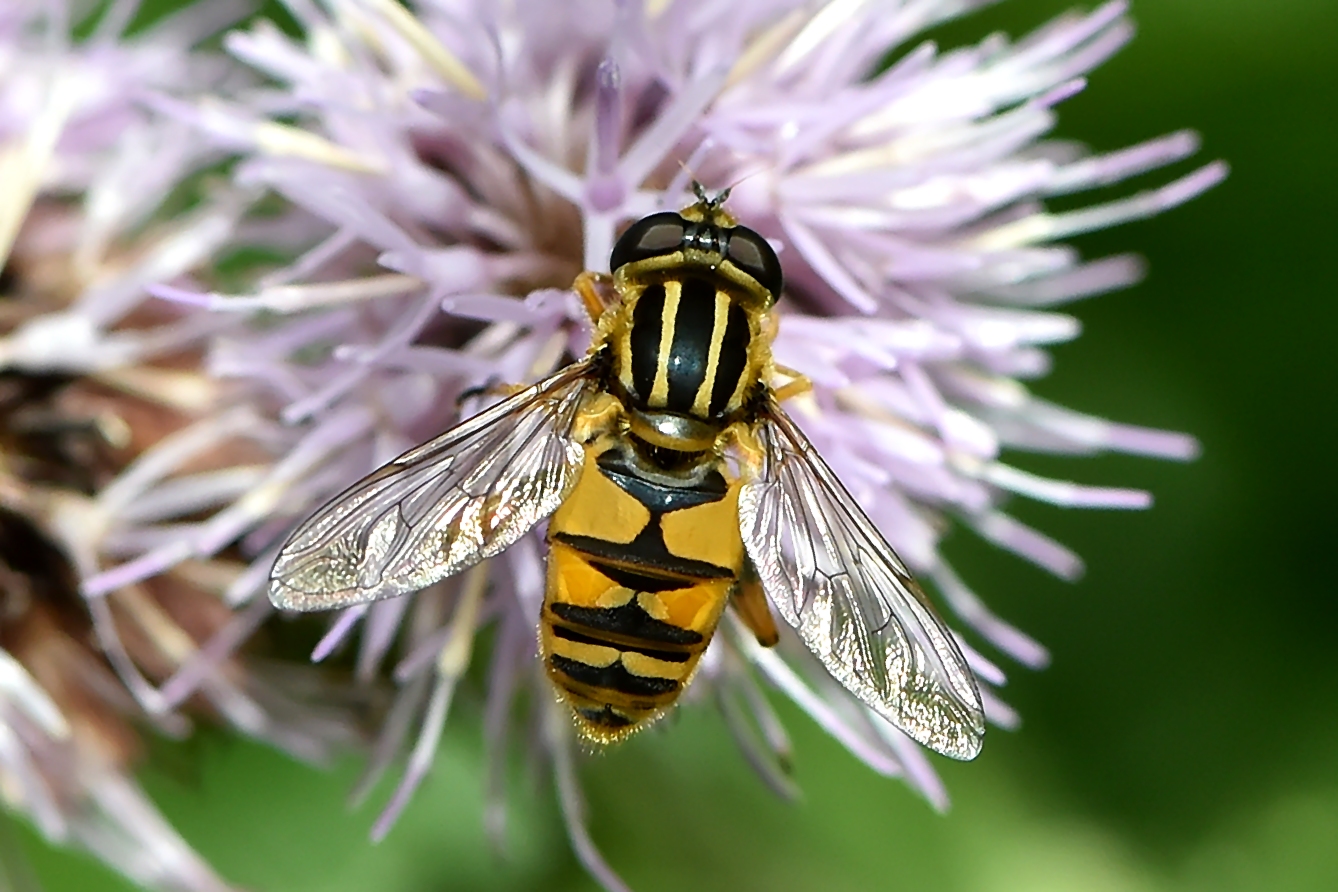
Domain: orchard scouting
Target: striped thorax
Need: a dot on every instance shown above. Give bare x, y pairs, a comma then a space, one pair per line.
687, 337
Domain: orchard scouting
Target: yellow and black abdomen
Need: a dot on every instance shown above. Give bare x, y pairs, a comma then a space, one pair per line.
638, 575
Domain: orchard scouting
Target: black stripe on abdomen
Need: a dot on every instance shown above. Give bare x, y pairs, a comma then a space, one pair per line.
606, 719
646, 550
658, 498
613, 677
627, 621
567, 633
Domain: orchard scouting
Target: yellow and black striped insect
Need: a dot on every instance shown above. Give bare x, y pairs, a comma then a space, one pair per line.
678, 487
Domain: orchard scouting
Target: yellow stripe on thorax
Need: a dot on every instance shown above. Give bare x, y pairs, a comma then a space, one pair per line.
659, 392
701, 403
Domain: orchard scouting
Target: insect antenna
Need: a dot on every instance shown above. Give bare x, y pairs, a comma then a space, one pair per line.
698, 189
710, 203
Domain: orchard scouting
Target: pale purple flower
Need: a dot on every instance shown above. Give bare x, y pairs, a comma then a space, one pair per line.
449, 171
126, 446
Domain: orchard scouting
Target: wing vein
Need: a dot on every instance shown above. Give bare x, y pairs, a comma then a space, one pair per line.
834, 578
440, 507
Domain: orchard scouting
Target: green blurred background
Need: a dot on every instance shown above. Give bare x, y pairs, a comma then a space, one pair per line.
1185, 737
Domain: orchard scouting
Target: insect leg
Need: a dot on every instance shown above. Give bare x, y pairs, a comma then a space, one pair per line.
796, 386
597, 417
750, 603
587, 285
491, 388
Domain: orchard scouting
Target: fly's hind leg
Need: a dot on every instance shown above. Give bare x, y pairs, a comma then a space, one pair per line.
588, 286
750, 603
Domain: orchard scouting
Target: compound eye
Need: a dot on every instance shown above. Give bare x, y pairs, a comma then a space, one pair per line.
651, 236
751, 254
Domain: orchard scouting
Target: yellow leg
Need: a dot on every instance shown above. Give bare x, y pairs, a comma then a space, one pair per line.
797, 385
597, 417
587, 285
751, 454
750, 603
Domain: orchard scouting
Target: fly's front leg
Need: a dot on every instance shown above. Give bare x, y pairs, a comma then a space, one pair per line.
589, 285
796, 386
492, 388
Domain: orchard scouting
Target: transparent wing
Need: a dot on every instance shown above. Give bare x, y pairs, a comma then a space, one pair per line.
441, 507
834, 578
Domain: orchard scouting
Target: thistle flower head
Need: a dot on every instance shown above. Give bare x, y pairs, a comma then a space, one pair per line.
447, 171
109, 437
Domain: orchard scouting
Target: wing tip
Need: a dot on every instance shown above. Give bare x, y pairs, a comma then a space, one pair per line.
962, 747
972, 737
972, 748
960, 738
285, 597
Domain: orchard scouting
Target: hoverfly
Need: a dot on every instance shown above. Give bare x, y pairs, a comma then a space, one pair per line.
677, 486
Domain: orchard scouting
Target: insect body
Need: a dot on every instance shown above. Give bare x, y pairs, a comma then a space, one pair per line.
678, 488
641, 565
